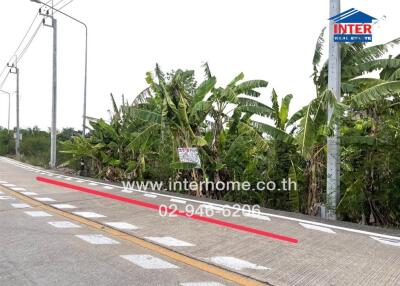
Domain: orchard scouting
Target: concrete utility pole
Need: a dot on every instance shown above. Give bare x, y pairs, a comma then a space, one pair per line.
334, 84
15, 70
53, 132
53, 145
9, 111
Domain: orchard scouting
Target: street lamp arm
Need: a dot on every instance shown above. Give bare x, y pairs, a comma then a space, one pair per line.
61, 12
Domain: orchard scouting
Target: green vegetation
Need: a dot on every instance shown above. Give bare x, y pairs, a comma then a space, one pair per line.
140, 141
35, 145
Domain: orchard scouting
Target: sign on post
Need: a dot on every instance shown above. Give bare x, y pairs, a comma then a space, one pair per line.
20, 136
189, 155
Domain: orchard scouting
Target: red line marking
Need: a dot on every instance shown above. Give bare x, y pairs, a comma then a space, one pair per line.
180, 213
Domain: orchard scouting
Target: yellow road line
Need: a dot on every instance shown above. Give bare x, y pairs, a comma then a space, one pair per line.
222, 273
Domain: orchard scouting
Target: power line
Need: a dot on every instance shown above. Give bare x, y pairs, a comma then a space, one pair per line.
4, 80
21, 42
26, 34
58, 3
18, 58
65, 5
29, 42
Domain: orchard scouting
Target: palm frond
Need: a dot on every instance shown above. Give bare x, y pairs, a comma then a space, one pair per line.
142, 96
237, 78
207, 70
284, 110
297, 116
148, 116
272, 131
307, 134
374, 52
318, 49
254, 107
376, 93
143, 137
204, 88
248, 86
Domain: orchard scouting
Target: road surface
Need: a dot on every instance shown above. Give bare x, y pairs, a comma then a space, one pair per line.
66, 230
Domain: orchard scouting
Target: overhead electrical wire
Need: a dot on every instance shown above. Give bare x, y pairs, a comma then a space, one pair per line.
4, 80
20, 44
22, 53
65, 5
29, 42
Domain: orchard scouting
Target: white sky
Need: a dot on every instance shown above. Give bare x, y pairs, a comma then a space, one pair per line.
271, 40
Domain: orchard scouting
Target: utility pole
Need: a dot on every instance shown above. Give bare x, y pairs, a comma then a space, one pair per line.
53, 152
85, 85
15, 70
53, 135
333, 142
55, 60
9, 111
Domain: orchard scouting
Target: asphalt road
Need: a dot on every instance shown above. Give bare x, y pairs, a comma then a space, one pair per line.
58, 230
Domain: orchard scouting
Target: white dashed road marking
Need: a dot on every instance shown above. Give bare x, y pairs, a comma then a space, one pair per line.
169, 241
64, 206
178, 201
3, 182
149, 262
18, 189
122, 225
21, 206
45, 199
316, 227
108, 187
387, 241
93, 184
9, 185
257, 216
127, 191
6, 198
150, 196
236, 263
211, 207
63, 224
97, 239
89, 214
38, 214
29, 193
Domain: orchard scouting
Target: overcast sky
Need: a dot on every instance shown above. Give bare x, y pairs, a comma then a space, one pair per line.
271, 40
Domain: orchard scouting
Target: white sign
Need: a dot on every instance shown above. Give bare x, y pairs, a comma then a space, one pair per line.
189, 155
20, 136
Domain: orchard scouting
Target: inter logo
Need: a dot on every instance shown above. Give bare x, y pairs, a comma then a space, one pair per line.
352, 26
